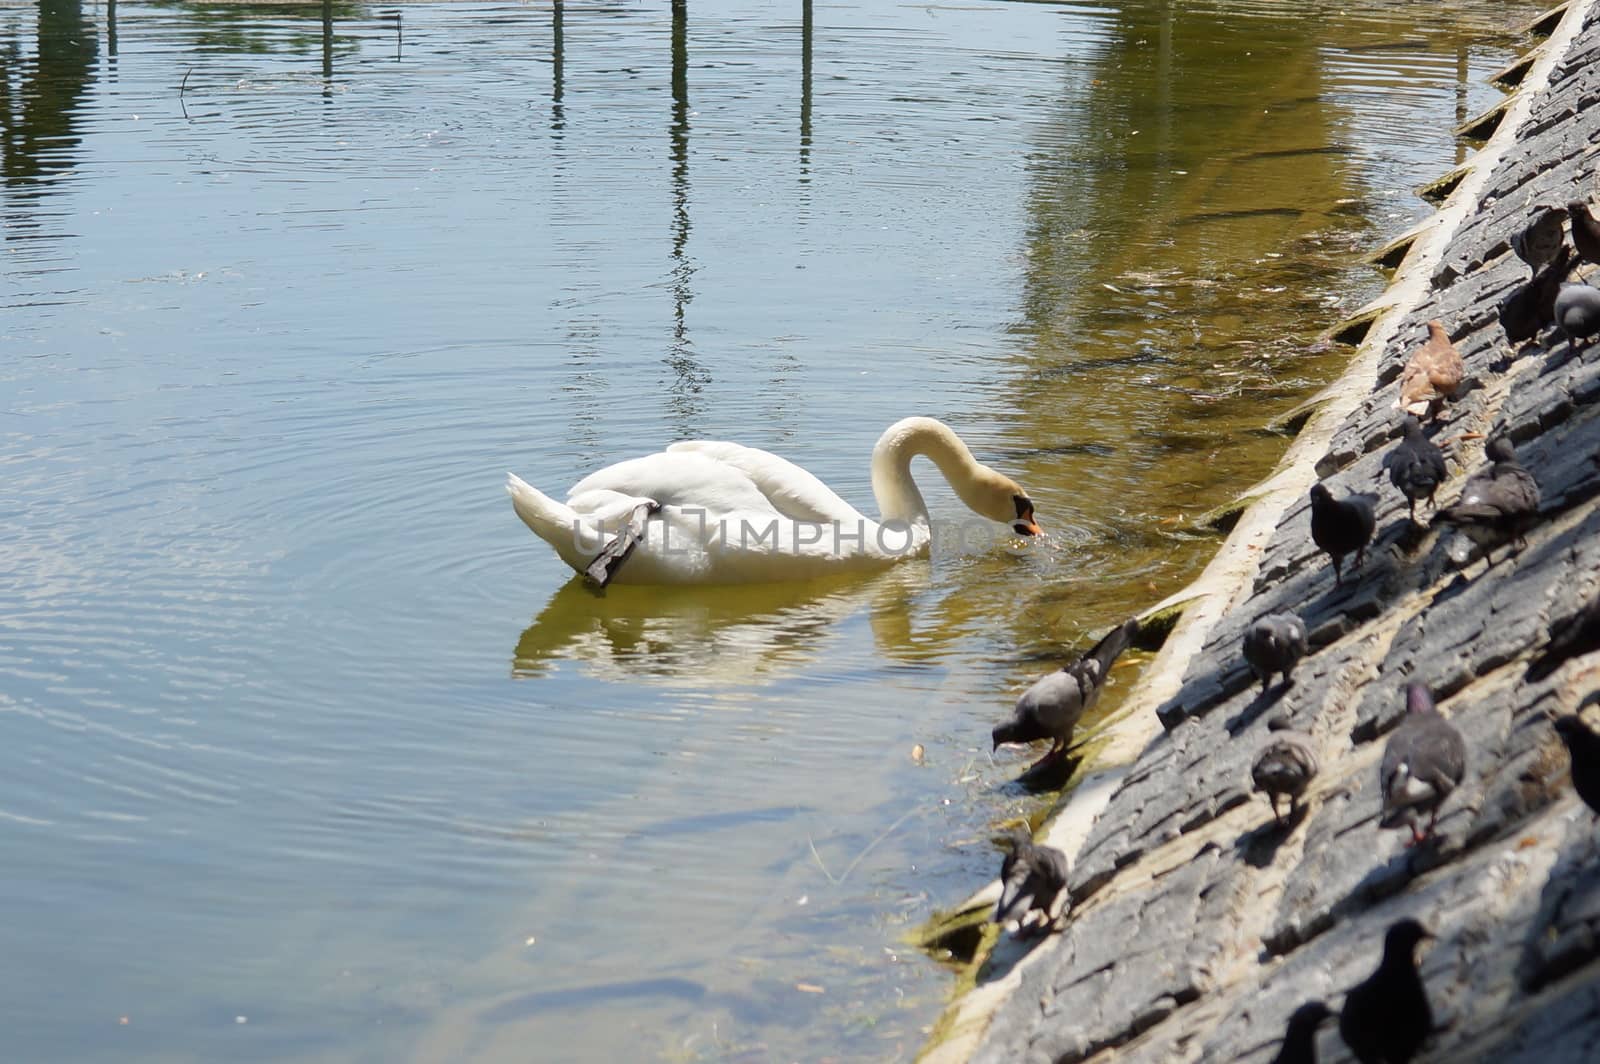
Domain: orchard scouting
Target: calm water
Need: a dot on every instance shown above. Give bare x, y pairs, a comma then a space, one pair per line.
314, 753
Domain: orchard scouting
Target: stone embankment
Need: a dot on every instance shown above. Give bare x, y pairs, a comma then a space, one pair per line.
1197, 925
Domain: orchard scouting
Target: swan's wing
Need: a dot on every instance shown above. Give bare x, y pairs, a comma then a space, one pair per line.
791, 490
678, 479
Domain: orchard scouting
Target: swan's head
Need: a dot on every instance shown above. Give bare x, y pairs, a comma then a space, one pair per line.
1022, 522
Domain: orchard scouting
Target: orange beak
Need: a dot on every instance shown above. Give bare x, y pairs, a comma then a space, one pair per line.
1027, 526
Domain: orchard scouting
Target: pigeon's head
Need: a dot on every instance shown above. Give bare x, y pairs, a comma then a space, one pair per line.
1418, 698
1320, 495
1402, 938
1411, 426
1500, 450
1310, 1016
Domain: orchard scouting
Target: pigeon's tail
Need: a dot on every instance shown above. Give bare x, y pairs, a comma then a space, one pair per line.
1113, 644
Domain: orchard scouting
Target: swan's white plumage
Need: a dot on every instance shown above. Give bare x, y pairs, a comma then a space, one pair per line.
726, 513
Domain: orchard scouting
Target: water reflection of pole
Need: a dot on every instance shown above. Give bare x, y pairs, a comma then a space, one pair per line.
111, 30
691, 377
805, 89
1461, 101
557, 117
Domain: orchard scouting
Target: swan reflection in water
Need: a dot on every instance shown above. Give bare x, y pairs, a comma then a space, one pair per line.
744, 633
701, 636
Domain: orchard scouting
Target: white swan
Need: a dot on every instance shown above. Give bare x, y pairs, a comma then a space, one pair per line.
706, 512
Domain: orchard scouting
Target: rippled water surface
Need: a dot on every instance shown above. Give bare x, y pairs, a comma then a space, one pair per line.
313, 752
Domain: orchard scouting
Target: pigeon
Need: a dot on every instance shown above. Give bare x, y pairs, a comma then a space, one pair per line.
1033, 884
1572, 636
1577, 311
1431, 375
1527, 311
1386, 1019
1585, 231
1341, 527
1422, 763
1300, 1040
1496, 503
1583, 747
1285, 765
1541, 240
1415, 465
1274, 643
1050, 709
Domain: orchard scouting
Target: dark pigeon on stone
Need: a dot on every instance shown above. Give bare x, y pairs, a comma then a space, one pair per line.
1570, 637
1273, 644
1541, 240
1585, 231
1422, 763
1415, 465
1051, 708
1386, 1019
1285, 766
1532, 308
1033, 884
1583, 747
1577, 311
1497, 503
1300, 1040
1342, 526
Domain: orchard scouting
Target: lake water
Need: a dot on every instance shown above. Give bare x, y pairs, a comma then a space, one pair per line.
314, 753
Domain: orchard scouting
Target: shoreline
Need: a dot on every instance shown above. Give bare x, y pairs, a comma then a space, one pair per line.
1228, 579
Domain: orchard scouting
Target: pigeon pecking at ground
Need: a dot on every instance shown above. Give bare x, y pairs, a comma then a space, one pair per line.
1386, 1019
1341, 526
1583, 747
1300, 1039
1273, 644
1033, 884
1051, 708
1415, 465
1497, 503
1528, 310
1285, 766
1423, 761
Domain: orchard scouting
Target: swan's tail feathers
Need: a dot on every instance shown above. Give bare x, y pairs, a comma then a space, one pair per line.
538, 511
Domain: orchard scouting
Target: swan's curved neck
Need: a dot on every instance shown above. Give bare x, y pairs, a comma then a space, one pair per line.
896, 492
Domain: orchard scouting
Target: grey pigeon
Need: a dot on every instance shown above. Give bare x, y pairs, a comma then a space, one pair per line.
1341, 526
1422, 763
1497, 503
1300, 1040
1285, 766
1583, 747
1386, 1019
1274, 643
1577, 311
1415, 465
1051, 708
1541, 240
1585, 231
1527, 311
1033, 884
